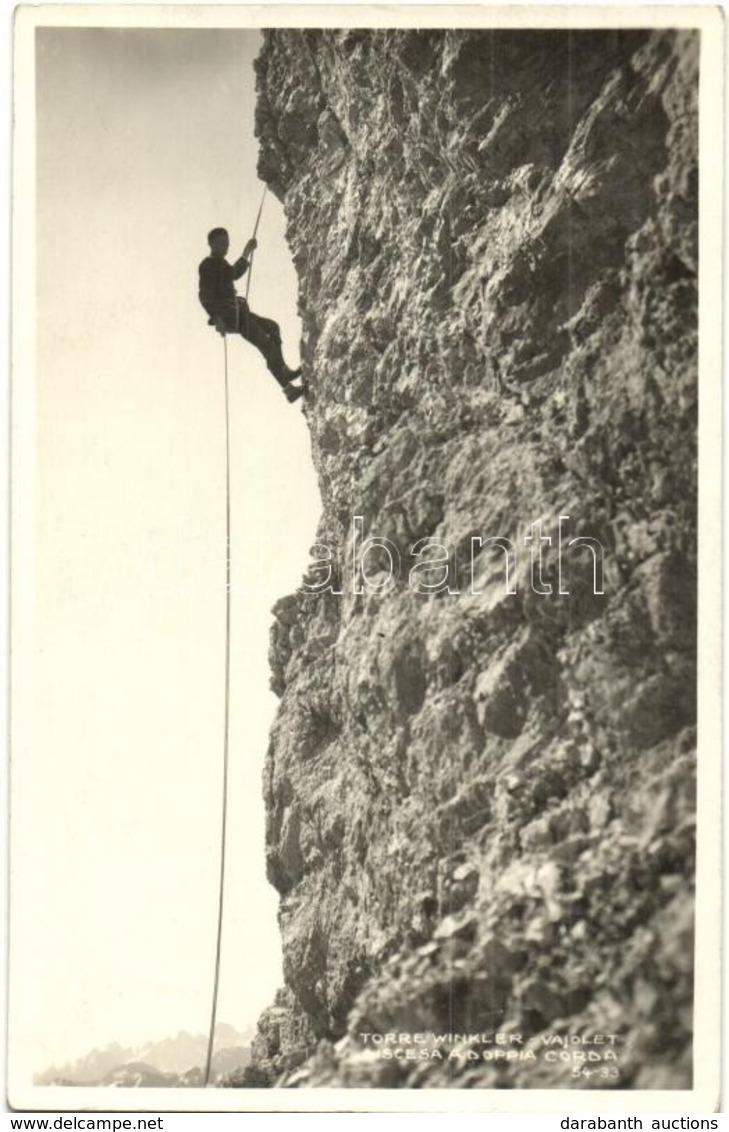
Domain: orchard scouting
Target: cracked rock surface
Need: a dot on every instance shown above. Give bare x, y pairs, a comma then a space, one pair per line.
480, 801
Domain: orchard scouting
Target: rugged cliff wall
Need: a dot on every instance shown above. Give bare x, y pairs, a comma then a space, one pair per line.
480, 803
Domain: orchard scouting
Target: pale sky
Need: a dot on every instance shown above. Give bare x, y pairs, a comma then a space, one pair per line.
145, 141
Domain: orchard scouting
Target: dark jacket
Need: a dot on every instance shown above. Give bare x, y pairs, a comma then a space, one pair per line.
217, 293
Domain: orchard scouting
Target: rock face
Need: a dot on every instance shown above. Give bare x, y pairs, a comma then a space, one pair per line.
480, 798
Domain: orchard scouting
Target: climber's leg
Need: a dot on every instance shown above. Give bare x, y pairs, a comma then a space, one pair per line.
271, 328
264, 334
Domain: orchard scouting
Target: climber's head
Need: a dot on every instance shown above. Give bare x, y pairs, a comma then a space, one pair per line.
218, 241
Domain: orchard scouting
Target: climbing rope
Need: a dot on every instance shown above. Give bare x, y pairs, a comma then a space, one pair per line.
224, 829
223, 840
255, 233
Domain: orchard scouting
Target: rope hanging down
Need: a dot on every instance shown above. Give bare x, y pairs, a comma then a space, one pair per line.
223, 840
224, 829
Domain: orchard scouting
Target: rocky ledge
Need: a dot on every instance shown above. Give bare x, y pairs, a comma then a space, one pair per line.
480, 793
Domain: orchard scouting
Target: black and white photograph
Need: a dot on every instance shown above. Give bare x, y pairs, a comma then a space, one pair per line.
365, 559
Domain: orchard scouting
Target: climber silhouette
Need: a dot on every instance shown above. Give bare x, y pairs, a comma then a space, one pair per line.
230, 314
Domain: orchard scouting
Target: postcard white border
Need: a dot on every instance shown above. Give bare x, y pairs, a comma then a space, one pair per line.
704, 1096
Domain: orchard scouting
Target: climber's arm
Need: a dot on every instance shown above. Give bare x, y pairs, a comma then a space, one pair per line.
241, 265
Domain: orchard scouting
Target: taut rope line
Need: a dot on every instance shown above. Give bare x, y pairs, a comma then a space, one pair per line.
255, 233
226, 725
